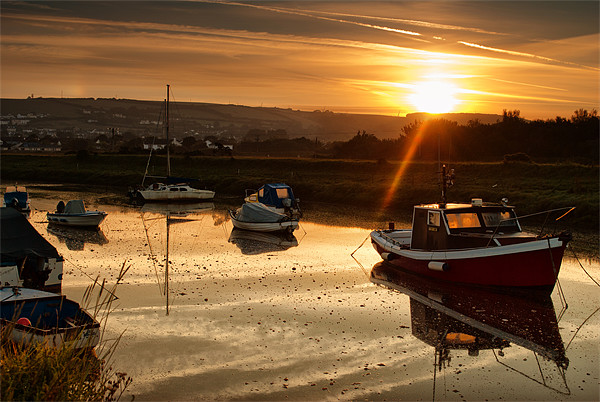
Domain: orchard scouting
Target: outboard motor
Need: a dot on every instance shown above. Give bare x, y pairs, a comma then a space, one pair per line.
60, 207
14, 203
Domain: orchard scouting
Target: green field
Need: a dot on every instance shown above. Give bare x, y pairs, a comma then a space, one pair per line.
347, 183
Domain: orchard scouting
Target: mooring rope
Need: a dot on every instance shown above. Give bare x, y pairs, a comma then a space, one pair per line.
584, 270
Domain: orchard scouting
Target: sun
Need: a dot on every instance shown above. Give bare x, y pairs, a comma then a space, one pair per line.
434, 97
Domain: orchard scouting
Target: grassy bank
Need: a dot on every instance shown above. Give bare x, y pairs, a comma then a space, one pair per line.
362, 184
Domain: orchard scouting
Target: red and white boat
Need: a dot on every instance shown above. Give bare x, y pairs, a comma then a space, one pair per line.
476, 243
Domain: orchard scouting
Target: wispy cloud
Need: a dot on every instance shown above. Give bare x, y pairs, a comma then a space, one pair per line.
522, 54
350, 54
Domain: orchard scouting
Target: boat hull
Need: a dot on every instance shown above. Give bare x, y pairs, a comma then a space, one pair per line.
153, 195
53, 319
532, 264
288, 226
87, 219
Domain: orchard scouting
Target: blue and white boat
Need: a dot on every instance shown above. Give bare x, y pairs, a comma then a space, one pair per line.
34, 316
270, 209
17, 197
26, 258
75, 214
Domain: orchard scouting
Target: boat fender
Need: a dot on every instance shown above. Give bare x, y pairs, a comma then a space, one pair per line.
388, 256
438, 266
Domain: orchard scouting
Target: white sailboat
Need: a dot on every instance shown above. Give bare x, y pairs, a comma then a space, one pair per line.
172, 192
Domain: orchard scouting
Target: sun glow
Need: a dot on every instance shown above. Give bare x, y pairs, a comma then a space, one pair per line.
434, 97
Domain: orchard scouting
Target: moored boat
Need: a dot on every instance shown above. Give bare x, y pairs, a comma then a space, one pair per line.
475, 243
175, 189
26, 258
270, 209
174, 193
75, 214
34, 316
17, 197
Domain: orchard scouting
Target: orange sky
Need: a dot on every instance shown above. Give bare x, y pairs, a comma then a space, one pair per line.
370, 57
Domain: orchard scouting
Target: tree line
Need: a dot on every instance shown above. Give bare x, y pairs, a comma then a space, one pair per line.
574, 139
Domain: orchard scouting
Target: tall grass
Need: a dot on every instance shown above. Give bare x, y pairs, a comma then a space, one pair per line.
40, 372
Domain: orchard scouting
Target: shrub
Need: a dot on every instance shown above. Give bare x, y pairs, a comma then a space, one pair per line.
517, 157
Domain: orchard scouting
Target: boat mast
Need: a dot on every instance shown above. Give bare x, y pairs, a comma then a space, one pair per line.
447, 182
167, 132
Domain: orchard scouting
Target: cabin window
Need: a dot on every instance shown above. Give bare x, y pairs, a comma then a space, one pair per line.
182, 189
433, 218
283, 193
174, 189
463, 220
498, 218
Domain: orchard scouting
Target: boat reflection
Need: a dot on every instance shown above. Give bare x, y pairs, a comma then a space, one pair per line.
76, 238
252, 243
451, 317
178, 209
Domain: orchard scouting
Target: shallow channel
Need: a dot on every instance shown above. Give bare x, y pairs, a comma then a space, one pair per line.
241, 316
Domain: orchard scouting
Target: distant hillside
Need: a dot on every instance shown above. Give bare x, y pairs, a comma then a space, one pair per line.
139, 117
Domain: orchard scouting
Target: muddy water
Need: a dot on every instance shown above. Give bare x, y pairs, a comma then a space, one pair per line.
249, 317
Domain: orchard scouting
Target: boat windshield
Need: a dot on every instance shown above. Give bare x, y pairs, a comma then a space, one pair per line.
283, 193
463, 220
498, 218
481, 219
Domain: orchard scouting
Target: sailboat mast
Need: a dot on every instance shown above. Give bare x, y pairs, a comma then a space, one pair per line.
167, 133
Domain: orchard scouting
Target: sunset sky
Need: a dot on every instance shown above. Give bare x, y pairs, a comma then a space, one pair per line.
540, 57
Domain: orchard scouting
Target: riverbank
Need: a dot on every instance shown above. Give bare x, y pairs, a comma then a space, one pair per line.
385, 189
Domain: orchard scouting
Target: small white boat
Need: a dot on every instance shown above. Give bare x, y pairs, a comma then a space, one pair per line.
34, 316
75, 214
17, 197
26, 258
175, 192
272, 208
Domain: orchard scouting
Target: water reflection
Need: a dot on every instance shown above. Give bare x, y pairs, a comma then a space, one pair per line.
178, 209
171, 214
451, 317
252, 243
75, 238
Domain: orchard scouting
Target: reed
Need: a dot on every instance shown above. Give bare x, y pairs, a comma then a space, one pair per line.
40, 372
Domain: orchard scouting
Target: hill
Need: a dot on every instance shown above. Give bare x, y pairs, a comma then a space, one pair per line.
201, 119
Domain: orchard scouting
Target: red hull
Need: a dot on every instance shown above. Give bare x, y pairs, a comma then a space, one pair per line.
534, 268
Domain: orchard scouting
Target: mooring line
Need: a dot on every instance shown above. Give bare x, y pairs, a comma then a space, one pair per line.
358, 262
580, 326
94, 280
581, 265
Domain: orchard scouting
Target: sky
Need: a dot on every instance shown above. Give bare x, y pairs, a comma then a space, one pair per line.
393, 58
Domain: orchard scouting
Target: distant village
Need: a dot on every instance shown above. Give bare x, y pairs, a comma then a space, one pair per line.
27, 133
80, 126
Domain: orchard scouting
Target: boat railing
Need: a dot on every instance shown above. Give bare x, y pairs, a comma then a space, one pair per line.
517, 218
392, 240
